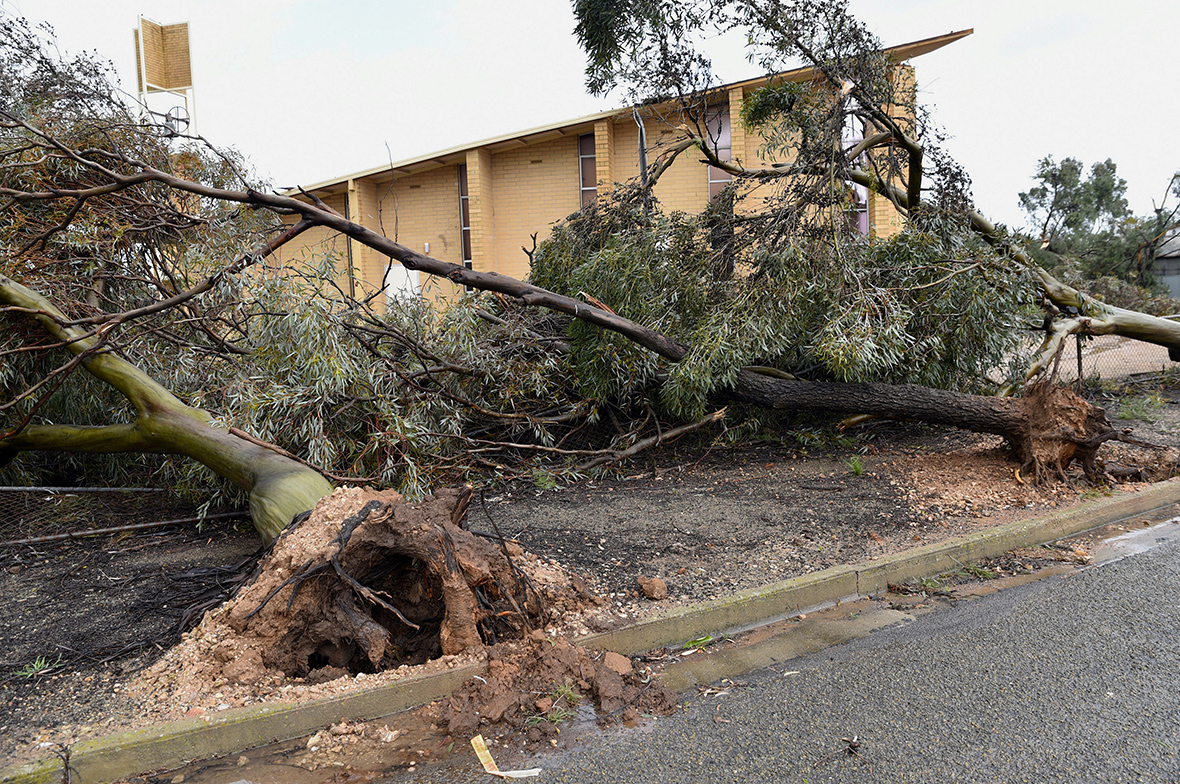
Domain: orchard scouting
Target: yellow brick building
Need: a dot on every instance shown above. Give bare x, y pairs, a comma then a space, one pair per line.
479, 204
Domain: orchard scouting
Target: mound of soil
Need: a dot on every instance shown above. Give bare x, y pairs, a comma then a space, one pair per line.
534, 685
367, 583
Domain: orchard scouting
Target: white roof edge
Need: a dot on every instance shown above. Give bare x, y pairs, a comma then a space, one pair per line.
937, 41
463, 148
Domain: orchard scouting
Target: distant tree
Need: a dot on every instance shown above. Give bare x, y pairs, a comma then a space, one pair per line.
1067, 209
1084, 222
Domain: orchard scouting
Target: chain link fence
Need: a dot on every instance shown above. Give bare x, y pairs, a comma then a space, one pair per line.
1111, 357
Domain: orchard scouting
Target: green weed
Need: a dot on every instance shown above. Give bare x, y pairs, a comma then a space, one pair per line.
978, 572
816, 437
1142, 408
855, 465
38, 667
544, 480
930, 584
564, 699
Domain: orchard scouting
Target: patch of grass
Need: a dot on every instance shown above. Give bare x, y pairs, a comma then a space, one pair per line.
855, 465
564, 699
978, 572
1143, 408
38, 667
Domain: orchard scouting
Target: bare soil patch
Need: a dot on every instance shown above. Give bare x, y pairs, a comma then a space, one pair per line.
705, 523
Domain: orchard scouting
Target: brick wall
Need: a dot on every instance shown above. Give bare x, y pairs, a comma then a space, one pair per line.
535, 185
422, 210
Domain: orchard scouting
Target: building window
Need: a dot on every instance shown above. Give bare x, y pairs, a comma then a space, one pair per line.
588, 167
858, 210
719, 140
464, 218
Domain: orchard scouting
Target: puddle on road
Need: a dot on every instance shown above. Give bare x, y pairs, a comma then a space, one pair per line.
1127, 538
421, 754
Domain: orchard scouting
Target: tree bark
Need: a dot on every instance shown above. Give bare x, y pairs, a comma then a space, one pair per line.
1098, 318
1001, 416
1047, 429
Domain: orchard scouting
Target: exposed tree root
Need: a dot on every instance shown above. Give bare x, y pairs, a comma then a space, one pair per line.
1062, 427
370, 581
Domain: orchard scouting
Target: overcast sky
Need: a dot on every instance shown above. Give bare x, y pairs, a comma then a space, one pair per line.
310, 89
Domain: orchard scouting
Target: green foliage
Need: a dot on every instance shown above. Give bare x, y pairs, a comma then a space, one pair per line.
1143, 408
1085, 228
923, 308
396, 396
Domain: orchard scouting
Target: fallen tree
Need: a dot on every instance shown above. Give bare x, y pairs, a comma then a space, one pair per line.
278, 487
776, 308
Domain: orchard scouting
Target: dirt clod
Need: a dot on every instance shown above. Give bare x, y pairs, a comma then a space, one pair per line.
617, 662
654, 588
564, 673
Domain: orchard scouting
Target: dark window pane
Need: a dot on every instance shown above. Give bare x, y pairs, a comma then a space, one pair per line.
465, 213
586, 144
588, 196
466, 244
462, 179
589, 173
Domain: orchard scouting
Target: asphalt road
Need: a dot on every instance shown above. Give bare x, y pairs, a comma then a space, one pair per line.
1066, 679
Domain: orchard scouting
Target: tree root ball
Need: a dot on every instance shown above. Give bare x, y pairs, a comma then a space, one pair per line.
1062, 427
370, 581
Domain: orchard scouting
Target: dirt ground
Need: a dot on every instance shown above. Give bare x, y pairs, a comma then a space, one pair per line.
83, 619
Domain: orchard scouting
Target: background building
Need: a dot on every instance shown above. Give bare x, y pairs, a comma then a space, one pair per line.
480, 204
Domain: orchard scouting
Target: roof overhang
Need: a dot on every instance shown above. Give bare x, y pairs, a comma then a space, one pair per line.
585, 124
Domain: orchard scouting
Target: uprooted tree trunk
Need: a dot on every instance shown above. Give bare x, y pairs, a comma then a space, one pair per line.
279, 488
1048, 428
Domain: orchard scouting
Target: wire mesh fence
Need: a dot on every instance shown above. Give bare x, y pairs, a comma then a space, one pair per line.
49, 513
1111, 357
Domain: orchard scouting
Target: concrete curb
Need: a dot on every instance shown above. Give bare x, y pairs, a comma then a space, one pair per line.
169, 745
769, 603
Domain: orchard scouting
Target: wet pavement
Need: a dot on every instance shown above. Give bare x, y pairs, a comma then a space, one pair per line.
1066, 675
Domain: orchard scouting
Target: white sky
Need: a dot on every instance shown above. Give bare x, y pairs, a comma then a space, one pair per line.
311, 89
